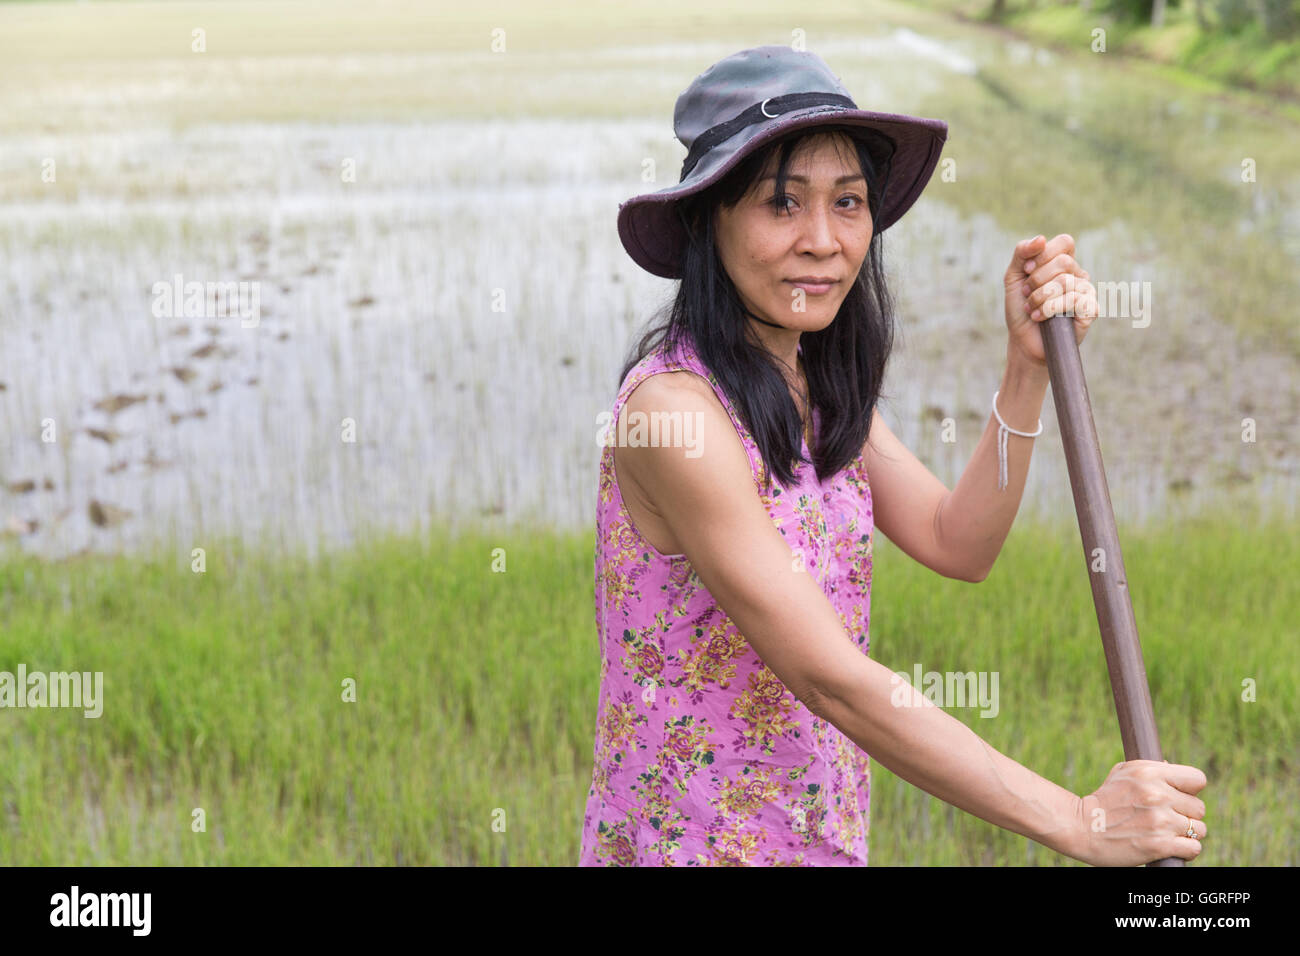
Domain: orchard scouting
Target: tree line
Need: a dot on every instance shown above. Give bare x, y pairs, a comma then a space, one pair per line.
1278, 19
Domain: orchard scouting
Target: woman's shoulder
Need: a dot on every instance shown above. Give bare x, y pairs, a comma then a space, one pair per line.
671, 364
676, 404
671, 391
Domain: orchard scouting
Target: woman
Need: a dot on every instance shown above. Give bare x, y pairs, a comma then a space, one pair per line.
739, 493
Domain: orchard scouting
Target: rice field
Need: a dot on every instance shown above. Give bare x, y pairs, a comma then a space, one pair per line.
412, 307
476, 690
447, 291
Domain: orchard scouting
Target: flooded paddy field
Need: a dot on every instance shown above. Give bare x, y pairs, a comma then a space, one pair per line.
426, 236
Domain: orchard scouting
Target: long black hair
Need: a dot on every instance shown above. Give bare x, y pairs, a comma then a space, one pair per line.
844, 362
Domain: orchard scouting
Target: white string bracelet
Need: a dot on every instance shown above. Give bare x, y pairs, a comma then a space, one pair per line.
1002, 441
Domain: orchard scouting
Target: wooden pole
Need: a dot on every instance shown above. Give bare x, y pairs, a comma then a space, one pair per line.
1110, 593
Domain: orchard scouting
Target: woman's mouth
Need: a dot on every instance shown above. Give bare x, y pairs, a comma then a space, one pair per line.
813, 285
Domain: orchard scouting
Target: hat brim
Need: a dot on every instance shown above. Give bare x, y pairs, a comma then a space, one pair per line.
653, 236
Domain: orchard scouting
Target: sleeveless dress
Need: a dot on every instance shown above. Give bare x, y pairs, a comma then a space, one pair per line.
702, 757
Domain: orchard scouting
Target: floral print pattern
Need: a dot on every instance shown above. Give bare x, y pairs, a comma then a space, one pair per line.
702, 757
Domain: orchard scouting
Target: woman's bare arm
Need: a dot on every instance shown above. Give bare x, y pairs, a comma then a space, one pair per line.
958, 533
929, 748
710, 504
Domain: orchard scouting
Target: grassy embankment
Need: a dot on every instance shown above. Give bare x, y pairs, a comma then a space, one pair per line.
477, 690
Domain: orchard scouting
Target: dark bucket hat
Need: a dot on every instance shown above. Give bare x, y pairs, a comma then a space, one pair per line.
745, 101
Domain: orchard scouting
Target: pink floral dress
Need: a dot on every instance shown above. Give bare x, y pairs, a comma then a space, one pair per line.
702, 756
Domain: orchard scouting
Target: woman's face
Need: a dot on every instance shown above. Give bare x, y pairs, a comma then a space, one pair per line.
820, 228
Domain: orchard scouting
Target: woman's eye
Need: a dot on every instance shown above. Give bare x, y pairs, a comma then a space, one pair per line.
780, 203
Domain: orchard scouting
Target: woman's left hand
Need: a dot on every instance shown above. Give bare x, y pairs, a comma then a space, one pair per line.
1044, 280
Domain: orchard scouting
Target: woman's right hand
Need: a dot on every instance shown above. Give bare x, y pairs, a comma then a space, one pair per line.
1140, 814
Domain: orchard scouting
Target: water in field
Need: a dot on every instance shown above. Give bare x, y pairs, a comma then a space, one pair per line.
443, 303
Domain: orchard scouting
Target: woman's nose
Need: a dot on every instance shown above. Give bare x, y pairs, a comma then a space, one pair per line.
819, 233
